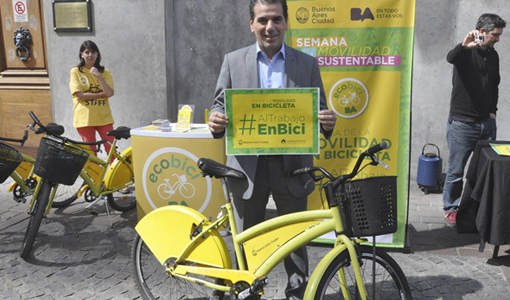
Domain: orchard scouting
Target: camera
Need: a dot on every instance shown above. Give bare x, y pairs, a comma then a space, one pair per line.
478, 38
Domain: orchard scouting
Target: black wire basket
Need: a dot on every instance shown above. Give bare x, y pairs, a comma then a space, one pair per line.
59, 162
10, 159
369, 206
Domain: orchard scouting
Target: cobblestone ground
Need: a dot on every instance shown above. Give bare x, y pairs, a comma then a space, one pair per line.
78, 256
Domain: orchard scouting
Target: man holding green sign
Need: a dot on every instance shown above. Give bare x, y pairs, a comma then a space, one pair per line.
270, 64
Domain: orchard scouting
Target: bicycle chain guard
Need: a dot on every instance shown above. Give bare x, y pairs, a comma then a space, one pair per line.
89, 196
19, 195
31, 183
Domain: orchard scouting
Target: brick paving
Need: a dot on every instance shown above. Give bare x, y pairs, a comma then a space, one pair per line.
78, 256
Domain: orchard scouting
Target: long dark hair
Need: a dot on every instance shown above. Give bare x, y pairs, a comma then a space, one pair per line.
93, 47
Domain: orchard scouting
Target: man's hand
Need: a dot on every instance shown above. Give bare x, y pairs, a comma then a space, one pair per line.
469, 40
327, 119
217, 122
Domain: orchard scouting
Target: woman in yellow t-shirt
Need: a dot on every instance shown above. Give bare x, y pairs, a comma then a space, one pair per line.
91, 85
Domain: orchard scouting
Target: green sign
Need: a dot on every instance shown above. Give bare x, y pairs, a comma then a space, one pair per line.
272, 121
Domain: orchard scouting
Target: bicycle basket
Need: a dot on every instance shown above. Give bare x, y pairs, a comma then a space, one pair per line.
10, 158
369, 206
58, 162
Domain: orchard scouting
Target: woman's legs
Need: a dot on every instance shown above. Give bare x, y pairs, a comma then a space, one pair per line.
88, 134
102, 130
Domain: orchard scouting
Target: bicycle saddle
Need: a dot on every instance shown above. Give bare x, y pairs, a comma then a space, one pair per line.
215, 169
53, 127
121, 132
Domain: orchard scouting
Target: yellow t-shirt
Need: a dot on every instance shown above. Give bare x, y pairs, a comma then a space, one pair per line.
95, 112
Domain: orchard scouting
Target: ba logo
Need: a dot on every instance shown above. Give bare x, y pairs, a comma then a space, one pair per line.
171, 176
356, 14
348, 98
302, 15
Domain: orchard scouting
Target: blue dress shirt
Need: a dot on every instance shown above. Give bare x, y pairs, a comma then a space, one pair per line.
271, 74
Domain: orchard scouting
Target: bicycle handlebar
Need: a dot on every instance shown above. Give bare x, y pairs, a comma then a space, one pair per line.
49, 130
343, 178
21, 141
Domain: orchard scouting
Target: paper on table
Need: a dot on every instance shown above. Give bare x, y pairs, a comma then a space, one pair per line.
501, 149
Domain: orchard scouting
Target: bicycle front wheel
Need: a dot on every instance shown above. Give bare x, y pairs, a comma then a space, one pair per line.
124, 199
154, 283
36, 216
389, 281
67, 194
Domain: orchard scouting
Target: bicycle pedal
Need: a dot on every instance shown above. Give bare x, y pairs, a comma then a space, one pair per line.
125, 190
20, 200
244, 291
91, 212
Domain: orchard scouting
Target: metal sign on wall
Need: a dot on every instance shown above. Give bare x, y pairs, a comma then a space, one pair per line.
71, 15
20, 11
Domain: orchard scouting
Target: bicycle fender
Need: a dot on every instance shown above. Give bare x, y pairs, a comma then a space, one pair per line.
119, 174
316, 277
166, 231
82, 190
12, 187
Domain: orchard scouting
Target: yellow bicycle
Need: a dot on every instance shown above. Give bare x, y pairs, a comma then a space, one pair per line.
18, 166
180, 254
99, 178
24, 179
59, 162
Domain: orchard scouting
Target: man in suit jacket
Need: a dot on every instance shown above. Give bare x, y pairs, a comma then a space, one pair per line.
270, 64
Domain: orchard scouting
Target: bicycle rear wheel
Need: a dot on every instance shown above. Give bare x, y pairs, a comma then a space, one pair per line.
67, 194
124, 199
390, 282
36, 216
153, 283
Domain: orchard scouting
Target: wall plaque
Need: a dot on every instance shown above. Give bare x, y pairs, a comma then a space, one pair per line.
72, 15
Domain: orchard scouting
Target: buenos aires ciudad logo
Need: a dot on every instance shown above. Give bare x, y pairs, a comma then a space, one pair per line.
348, 97
171, 177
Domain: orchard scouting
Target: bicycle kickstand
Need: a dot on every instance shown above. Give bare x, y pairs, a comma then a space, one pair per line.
92, 212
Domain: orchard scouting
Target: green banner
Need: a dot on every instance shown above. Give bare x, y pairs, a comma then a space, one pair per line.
365, 53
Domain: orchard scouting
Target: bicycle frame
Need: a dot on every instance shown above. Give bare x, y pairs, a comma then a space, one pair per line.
172, 188
24, 171
36, 193
278, 236
108, 174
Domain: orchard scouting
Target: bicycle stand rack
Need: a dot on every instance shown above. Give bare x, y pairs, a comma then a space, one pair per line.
92, 212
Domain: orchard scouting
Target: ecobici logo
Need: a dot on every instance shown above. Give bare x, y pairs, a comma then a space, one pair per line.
84, 81
348, 98
171, 177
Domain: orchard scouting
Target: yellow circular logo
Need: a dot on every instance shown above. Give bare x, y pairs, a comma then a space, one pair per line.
171, 177
348, 98
84, 81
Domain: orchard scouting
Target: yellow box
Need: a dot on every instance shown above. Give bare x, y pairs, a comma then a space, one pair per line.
166, 172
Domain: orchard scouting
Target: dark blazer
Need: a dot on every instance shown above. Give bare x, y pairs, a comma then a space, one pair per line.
239, 70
